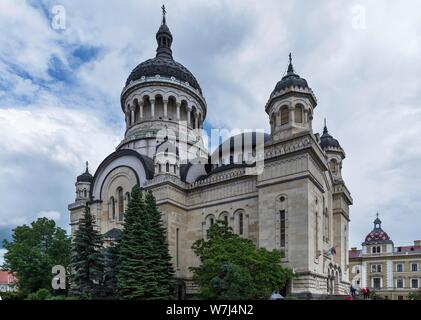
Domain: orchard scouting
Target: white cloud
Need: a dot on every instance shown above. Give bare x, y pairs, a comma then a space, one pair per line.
52, 215
367, 83
2, 253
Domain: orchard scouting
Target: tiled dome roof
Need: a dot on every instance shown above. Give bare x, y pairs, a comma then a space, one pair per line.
377, 235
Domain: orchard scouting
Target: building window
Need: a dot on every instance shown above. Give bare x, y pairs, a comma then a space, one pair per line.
376, 268
211, 221
377, 283
112, 205
84, 193
240, 223
167, 167
298, 114
399, 267
414, 267
400, 297
282, 227
284, 115
120, 203
414, 283
399, 283
376, 249
176, 248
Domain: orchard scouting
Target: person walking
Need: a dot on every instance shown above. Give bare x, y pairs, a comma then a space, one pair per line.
364, 291
352, 290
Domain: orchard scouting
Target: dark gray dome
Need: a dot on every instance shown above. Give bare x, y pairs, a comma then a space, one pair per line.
166, 67
327, 141
163, 64
291, 79
86, 176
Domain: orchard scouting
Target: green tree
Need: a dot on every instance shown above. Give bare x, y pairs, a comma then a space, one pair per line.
161, 261
87, 265
110, 255
33, 251
144, 270
132, 253
233, 268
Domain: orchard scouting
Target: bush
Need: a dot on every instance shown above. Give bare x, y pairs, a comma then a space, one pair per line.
12, 295
41, 294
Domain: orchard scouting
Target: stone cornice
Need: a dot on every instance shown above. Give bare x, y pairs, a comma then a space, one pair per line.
341, 189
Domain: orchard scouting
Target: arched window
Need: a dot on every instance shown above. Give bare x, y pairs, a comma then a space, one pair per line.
167, 167
112, 205
224, 217
84, 193
127, 199
284, 115
298, 114
159, 168
333, 165
241, 223
273, 122
120, 198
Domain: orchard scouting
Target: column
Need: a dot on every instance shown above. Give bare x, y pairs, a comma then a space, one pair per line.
188, 116
165, 108
178, 110
196, 120
132, 107
201, 120
141, 110
291, 115
153, 109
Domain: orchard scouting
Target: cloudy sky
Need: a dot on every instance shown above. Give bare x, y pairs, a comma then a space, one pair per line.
59, 90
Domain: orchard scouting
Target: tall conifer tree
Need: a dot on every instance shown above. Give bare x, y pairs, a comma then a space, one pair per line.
162, 266
132, 266
87, 260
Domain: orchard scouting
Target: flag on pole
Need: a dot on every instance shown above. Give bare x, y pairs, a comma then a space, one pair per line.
332, 251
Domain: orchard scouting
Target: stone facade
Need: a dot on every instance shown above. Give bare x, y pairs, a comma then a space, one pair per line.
282, 190
392, 272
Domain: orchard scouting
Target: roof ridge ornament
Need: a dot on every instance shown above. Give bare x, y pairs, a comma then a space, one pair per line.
164, 12
325, 131
290, 65
164, 38
87, 167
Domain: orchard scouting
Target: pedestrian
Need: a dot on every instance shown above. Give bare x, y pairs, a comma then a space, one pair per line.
364, 290
352, 290
368, 293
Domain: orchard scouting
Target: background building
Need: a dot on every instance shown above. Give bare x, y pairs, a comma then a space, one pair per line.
393, 272
7, 281
297, 203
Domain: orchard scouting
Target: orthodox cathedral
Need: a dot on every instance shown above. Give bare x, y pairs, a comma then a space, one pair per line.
282, 190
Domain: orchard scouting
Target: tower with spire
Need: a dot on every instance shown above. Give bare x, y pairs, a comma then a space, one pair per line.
291, 105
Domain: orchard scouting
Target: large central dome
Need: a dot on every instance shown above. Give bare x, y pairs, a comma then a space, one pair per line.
163, 64
165, 67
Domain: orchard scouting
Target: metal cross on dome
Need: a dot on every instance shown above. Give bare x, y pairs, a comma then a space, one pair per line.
164, 12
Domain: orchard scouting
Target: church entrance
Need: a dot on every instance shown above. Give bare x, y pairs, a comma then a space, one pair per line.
181, 290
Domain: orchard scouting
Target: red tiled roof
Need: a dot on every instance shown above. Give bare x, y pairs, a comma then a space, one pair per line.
6, 277
354, 253
408, 249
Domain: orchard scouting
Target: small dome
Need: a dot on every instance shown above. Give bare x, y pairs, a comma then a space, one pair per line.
86, 176
377, 235
291, 79
327, 141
